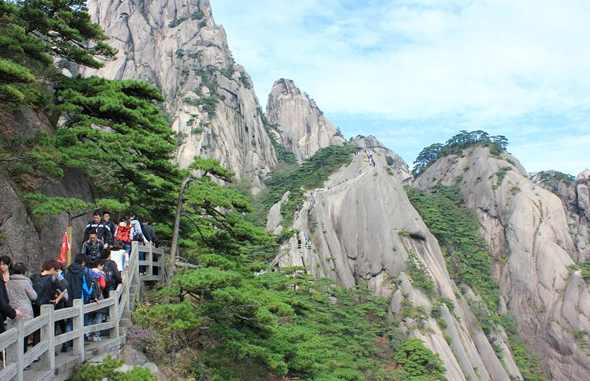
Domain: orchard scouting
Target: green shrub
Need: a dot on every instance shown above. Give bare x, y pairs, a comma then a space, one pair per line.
418, 361
420, 277
456, 145
107, 371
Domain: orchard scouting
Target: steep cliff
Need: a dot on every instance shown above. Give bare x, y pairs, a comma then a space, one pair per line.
360, 227
210, 99
527, 230
302, 125
575, 196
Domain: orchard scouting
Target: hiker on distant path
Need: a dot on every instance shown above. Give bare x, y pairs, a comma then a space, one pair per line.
111, 227
93, 248
98, 227
21, 295
6, 311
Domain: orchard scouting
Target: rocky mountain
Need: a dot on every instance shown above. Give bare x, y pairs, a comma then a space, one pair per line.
210, 99
528, 232
302, 126
575, 197
360, 227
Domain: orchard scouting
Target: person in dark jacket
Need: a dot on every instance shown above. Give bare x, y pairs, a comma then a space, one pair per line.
75, 276
93, 249
108, 223
97, 226
149, 233
46, 286
112, 274
5, 310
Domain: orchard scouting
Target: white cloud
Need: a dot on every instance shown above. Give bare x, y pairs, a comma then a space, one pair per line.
483, 60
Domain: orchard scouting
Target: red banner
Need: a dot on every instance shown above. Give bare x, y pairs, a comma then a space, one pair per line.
64, 249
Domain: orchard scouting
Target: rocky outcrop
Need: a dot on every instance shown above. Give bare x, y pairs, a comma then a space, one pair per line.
302, 125
527, 230
23, 237
360, 227
210, 99
575, 196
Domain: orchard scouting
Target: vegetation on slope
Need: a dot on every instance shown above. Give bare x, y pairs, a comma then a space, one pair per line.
107, 370
311, 174
456, 145
235, 319
469, 262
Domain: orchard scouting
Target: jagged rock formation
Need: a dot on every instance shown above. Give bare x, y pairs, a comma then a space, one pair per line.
361, 227
527, 230
177, 46
575, 196
302, 125
23, 237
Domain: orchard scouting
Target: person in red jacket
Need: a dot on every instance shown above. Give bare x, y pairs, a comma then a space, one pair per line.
123, 238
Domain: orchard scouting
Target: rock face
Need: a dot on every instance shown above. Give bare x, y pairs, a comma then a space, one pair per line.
575, 196
23, 237
527, 230
361, 227
177, 46
303, 127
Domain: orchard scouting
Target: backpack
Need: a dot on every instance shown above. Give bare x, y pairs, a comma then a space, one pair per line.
91, 287
123, 233
110, 276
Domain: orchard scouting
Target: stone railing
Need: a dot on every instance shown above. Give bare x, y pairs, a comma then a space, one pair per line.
45, 361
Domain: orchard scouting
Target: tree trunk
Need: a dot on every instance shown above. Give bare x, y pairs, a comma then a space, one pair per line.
176, 231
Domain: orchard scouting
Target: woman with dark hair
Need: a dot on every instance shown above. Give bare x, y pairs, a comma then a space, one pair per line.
6, 311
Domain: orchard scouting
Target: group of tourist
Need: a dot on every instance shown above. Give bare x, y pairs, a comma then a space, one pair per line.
92, 275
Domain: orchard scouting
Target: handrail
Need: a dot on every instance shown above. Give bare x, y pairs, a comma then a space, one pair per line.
19, 365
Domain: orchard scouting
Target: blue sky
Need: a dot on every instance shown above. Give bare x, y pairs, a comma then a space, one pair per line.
414, 72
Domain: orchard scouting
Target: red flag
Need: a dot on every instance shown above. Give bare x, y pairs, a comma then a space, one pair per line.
64, 249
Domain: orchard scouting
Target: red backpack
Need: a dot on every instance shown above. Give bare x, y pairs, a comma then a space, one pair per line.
123, 234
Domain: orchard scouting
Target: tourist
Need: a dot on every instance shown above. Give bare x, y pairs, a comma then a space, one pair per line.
21, 293
110, 226
6, 311
97, 226
97, 286
123, 235
111, 273
93, 248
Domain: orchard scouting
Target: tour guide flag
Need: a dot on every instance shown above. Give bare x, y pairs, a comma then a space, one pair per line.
64, 249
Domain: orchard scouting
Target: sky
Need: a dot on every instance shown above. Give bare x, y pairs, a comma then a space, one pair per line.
415, 72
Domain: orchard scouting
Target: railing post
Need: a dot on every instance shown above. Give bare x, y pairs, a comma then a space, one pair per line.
17, 355
150, 259
114, 314
48, 333
78, 327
